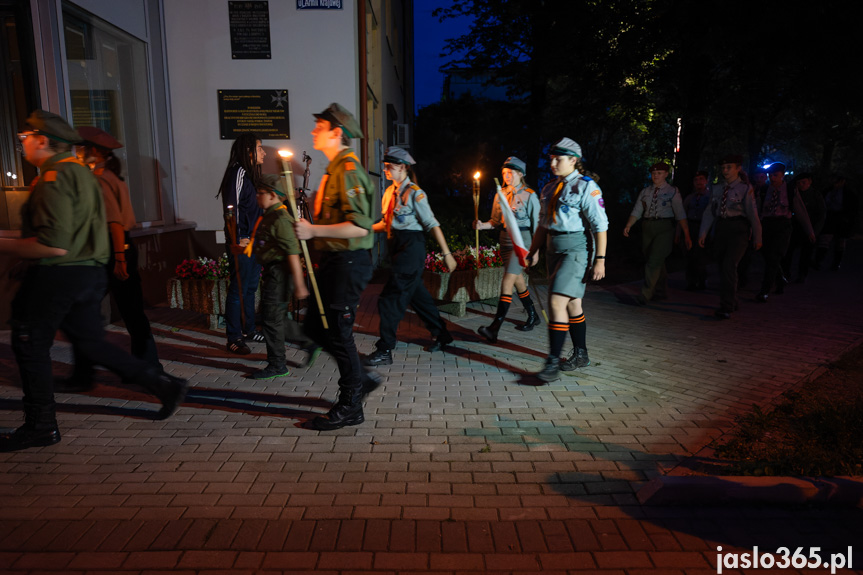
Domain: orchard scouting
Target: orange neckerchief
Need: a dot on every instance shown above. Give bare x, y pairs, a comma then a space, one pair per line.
552, 205
319, 197
250, 246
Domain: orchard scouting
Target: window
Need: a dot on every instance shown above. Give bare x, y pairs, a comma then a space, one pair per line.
109, 88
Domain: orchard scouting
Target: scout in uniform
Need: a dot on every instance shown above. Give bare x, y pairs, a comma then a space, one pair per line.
779, 204
660, 205
758, 181
734, 212
274, 244
124, 280
524, 203
696, 257
342, 234
407, 216
816, 209
569, 203
65, 236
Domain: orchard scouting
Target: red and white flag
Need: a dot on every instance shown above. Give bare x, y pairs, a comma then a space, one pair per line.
512, 228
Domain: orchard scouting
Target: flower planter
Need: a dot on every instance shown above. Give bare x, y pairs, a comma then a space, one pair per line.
203, 296
456, 289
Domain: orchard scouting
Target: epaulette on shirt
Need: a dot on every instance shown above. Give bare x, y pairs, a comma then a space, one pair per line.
350, 166
50, 176
587, 178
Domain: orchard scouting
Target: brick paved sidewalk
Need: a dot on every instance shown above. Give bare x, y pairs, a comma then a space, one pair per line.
465, 463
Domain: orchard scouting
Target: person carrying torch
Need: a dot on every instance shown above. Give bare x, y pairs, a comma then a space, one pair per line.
407, 216
523, 204
341, 233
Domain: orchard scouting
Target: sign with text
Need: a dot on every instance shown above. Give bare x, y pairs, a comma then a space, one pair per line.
264, 112
319, 4
250, 30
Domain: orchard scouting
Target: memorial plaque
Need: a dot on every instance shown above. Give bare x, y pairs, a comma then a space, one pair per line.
250, 30
319, 4
264, 112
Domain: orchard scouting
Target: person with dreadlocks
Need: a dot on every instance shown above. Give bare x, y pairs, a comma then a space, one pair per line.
124, 281
572, 212
239, 189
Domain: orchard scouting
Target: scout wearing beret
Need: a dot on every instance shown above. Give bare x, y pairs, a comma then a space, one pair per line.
65, 236
341, 232
758, 181
124, 281
524, 203
275, 246
572, 213
696, 257
779, 204
733, 211
660, 205
407, 216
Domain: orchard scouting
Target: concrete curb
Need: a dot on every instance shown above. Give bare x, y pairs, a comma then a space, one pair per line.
677, 490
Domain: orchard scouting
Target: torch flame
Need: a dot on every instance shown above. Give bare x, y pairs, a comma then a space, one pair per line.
285, 153
476, 176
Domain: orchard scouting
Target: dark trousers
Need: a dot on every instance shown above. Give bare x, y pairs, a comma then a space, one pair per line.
799, 242
342, 277
66, 298
405, 287
697, 257
250, 275
729, 245
657, 242
776, 234
277, 290
130, 302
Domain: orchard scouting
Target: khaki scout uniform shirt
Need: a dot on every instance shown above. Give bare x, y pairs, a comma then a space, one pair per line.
564, 200
347, 198
525, 206
65, 210
118, 205
739, 203
275, 239
409, 208
668, 203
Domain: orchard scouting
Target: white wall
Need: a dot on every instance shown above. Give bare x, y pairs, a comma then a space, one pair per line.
313, 58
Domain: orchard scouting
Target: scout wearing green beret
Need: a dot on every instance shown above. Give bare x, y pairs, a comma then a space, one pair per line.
572, 214
65, 235
276, 248
524, 203
734, 212
342, 233
407, 216
660, 205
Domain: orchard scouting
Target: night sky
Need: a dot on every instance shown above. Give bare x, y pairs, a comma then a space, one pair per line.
429, 38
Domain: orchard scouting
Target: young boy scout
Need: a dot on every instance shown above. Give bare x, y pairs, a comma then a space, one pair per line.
660, 205
276, 248
342, 233
65, 236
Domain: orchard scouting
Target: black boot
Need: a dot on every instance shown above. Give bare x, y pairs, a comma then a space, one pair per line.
27, 436
532, 320
551, 371
442, 340
170, 390
490, 332
379, 357
577, 359
348, 410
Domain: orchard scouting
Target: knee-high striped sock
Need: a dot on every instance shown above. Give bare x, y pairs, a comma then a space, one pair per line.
578, 331
556, 337
524, 296
503, 306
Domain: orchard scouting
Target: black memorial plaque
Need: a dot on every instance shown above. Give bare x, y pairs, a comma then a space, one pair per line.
264, 112
250, 30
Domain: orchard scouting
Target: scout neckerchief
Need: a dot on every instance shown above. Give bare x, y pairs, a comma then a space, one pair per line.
395, 199
510, 197
250, 246
552, 212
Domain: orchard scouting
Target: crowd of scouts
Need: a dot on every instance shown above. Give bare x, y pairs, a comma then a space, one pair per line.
77, 219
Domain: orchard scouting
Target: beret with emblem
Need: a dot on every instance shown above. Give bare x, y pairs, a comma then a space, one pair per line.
338, 116
731, 159
101, 138
514, 163
396, 155
273, 183
659, 166
566, 147
53, 126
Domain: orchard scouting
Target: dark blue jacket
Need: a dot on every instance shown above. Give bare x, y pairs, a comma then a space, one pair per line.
238, 191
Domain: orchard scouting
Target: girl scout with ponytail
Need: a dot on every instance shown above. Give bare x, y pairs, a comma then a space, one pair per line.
407, 215
524, 203
569, 203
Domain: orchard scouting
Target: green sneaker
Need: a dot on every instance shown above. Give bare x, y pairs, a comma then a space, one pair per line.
271, 372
